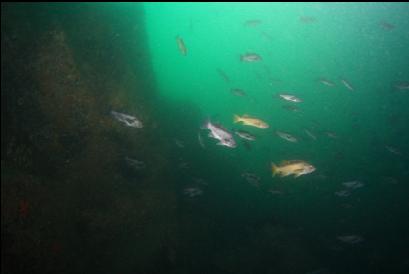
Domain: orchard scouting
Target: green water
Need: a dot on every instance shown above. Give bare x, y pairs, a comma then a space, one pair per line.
72, 202
343, 41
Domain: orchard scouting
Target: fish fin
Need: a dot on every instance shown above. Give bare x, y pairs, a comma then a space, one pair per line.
274, 169
236, 118
219, 144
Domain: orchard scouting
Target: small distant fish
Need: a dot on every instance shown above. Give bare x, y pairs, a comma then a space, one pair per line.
327, 82
307, 19
387, 26
136, 164
183, 165
250, 121
218, 132
238, 92
343, 193
331, 134
286, 136
223, 75
402, 86
291, 108
245, 135
192, 192
275, 192
181, 45
294, 167
251, 178
179, 143
312, 136
393, 150
250, 57
347, 84
290, 98
353, 184
128, 120
350, 239
252, 23
199, 138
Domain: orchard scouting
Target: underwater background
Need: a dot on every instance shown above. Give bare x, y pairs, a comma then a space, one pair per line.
106, 166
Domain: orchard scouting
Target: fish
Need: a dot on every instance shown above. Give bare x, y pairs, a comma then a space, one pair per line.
342, 193
350, 239
251, 178
286, 136
402, 86
294, 167
291, 108
199, 138
250, 121
245, 135
291, 98
331, 134
179, 143
307, 19
347, 84
250, 57
353, 184
252, 23
181, 45
393, 150
312, 136
128, 120
326, 82
192, 192
223, 75
387, 26
275, 192
218, 132
238, 92
136, 164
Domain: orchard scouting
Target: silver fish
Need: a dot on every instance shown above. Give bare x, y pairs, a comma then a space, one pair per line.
192, 192
290, 98
252, 23
310, 134
245, 135
251, 178
350, 239
201, 143
342, 193
353, 184
327, 82
223, 75
179, 143
287, 136
238, 92
128, 120
402, 86
250, 57
218, 132
347, 84
393, 150
136, 164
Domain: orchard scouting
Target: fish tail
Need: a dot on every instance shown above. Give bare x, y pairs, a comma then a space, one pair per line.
236, 118
274, 169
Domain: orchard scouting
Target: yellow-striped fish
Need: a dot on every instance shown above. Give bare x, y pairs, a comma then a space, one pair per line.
294, 167
250, 121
